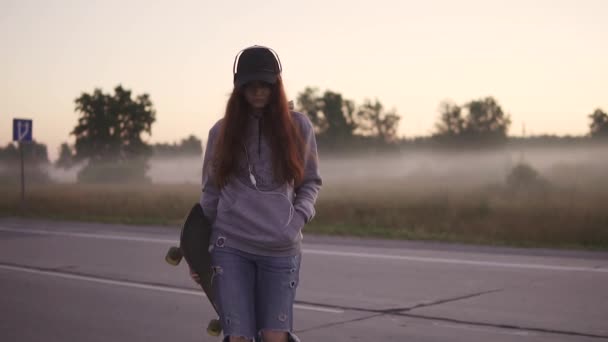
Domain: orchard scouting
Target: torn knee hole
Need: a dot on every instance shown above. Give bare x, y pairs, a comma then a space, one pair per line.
238, 338
220, 242
215, 271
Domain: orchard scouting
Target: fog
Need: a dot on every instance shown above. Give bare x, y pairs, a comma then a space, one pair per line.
467, 169
566, 165
177, 170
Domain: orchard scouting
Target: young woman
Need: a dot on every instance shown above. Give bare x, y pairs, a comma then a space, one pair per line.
260, 184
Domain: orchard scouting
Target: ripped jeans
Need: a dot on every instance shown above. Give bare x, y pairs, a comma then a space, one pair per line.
254, 293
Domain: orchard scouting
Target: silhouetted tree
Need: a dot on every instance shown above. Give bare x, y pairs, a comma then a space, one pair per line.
485, 122
524, 178
339, 122
451, 123
108, 134
190, 146
66, 157
35, 157
330, 114
312, 105
376, 122
598, 128
33, 153
339, 114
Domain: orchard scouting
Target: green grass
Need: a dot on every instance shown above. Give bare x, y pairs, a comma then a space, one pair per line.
559, 218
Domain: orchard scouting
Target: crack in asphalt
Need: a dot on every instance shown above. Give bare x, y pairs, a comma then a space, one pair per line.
504, 326
405, 312
400, 309
443, 301
334, 324
384, 312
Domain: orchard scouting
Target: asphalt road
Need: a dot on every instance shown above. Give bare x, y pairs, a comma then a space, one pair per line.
66, 281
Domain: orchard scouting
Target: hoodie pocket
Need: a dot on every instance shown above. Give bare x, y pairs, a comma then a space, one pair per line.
264, 219
294, 229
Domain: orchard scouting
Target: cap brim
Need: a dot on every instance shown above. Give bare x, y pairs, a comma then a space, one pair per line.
241, 80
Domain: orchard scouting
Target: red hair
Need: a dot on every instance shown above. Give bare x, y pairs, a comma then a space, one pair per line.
278, 126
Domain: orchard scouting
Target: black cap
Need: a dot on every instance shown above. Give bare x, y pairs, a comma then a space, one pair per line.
256, 63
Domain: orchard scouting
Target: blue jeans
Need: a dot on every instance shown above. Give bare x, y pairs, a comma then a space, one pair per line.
253, 292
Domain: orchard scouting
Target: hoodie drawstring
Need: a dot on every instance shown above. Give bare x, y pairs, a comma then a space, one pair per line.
260, 137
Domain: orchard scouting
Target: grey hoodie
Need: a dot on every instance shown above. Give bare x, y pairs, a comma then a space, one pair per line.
265, 218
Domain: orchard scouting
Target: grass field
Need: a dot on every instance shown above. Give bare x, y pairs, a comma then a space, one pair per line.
561, 201
560, 218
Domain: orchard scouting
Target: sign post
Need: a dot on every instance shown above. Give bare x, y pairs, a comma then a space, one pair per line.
22, 132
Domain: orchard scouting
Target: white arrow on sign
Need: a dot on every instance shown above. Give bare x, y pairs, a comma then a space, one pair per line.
23, 128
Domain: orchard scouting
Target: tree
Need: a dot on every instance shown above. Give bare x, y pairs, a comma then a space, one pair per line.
451, 123
108, 134
339, 121
599, 124
311, 104
330, 114
66, 157
33, 153
339, 114
486, 120
190, 146
484, 123
36, 160
524, 178
375, 122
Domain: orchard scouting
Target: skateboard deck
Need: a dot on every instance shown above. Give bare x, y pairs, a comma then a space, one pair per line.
194, 247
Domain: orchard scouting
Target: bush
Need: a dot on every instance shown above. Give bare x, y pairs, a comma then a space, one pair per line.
524, 177
132, 171
35, 174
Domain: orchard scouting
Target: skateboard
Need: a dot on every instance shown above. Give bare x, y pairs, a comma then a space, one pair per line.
194, 247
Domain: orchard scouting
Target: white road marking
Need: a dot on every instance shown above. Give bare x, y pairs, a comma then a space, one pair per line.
328, 253
482, 329
88, 235
458, 261
136, 285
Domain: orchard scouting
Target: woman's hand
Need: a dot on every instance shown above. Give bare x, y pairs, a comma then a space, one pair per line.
195, 277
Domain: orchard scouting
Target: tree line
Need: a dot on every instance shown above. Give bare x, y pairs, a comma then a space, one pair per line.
339, 120
108, 132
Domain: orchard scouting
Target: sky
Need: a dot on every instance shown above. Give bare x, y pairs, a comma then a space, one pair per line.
546, 62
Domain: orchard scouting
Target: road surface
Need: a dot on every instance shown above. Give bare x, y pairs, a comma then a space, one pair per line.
68, 281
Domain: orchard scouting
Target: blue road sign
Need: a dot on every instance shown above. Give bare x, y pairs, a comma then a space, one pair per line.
22, 130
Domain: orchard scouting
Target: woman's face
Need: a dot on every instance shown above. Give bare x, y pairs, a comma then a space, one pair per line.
257, 94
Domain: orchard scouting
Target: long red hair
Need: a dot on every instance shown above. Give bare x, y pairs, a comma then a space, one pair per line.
278, 126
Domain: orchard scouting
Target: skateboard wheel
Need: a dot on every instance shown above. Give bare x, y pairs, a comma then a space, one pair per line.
174, 256
214, 328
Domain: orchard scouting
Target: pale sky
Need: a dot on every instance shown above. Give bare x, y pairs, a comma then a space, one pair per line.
546, 62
